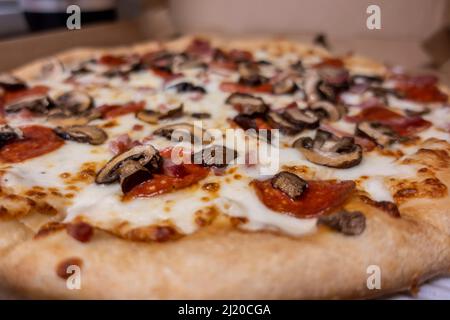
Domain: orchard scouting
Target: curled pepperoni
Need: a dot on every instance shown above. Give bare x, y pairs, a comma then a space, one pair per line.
180, 177
402, 125
319, 198
37, 141
330, 62
112, 111
236, 87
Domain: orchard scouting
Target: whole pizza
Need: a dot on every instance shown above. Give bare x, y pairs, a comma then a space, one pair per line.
214, 168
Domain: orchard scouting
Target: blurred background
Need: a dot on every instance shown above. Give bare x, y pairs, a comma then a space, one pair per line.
415, 33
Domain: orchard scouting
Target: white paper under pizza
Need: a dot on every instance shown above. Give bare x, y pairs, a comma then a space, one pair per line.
438, 289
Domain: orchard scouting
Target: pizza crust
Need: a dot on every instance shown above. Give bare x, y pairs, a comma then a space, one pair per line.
219, 262
224, 263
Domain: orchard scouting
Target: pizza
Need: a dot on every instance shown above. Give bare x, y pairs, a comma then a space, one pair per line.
206, 167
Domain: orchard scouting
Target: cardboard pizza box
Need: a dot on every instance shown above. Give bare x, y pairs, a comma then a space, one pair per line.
411, 31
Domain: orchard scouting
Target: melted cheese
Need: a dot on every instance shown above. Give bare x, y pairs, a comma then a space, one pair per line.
103, 205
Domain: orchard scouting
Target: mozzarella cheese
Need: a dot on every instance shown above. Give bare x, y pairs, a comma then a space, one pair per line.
103, 205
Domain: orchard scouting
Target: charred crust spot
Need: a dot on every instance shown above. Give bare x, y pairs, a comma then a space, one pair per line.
155, 233
80, 231
62, 268
386, 206
211, 187
428, 188
206, 216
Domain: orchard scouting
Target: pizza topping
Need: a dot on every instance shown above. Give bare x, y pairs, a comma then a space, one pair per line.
318, 198
146, 155
184, 132
301, 117
132, 173
327, 110
215, 156
170, 181
84, 134
359, 79
10, 82
182, 87
74, 102
37, 140
285, 85
328, 150
244, 88
421, 89
153, 117
277, 121
37, 103
201, 115
112, 111
402, 125
377, 132
247, 104
290, 184
80, 231
348, 223
9, 134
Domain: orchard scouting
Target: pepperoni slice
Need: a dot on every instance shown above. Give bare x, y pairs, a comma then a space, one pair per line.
112, 111
37, 141
330, 62
319, 198
112, 61
17, 94
424, 93
178, 177
236, 87
402, 125
421, 88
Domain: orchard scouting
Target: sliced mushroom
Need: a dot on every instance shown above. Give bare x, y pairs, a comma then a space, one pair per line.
182, 87
75, 102
328, 150
328, 110
84, 134
146, 155
377, 132
278, 122
290, 184
253, 80
248, 104
334, 76
285, 85
131, 174
153, 117
247, 122
201, 115
66, 118
38, 103
215, 156
184, 132
247, 69
366, 79
9, 134
301, 117
310, 84
10, 82
348, 223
